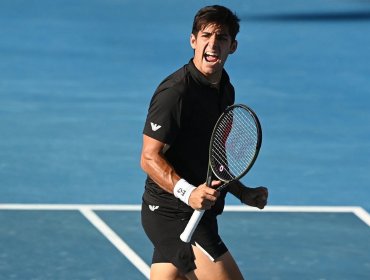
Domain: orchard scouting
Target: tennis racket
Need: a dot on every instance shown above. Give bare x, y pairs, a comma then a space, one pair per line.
233, 149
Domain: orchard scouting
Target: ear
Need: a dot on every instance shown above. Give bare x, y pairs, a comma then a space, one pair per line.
234, 46
193, 41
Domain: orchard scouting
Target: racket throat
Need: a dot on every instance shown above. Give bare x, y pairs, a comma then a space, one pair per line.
209, 178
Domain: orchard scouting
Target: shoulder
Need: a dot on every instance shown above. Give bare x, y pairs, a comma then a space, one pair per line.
177, 82
171, 91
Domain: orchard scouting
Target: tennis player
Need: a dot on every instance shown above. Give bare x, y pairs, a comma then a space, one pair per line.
177, 131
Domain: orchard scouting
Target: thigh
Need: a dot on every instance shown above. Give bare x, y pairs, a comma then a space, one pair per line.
164, 231
222, 268
165, 271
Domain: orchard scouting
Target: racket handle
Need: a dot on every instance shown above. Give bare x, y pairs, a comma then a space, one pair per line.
191, 226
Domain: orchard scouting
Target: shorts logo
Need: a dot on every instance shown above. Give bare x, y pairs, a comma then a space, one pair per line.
153, 207
155, 126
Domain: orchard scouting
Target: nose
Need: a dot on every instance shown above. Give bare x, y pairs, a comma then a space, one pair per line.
213, 40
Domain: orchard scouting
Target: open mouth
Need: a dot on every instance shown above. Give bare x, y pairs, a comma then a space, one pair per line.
211, 57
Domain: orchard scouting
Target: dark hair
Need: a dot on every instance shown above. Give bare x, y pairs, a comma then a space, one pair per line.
216, 14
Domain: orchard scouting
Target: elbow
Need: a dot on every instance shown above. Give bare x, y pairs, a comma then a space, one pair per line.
145, 162
150, 155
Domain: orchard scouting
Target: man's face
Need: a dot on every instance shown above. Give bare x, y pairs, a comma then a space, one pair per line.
212, 45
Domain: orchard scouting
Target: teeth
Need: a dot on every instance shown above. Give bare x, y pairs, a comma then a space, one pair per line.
211, 54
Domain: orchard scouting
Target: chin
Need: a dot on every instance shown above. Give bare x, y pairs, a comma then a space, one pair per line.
211, 70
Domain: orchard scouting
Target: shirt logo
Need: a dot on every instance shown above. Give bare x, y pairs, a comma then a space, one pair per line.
155, 126
153, 207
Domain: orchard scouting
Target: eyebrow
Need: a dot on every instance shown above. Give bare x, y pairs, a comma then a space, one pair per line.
218, 34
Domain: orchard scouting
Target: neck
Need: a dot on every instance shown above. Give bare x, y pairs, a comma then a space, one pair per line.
214, 79
216, 85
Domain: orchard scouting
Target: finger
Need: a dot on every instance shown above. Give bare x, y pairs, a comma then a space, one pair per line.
261, 206
216, 183
261, 202
265, 191
206, 204
262, 198
211, 192
210, 197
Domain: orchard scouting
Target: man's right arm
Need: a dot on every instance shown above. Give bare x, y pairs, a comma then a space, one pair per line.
164, 175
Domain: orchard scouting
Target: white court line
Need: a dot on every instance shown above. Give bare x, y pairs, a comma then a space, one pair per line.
116, 241
358, 211
309, 209
363, 215
73, 207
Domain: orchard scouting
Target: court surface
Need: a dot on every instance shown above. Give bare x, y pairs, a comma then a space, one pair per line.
75, 81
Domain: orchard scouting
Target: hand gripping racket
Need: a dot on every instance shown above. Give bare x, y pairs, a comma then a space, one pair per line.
233, 149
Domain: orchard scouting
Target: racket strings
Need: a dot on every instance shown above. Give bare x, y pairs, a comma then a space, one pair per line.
232, 161
234, 144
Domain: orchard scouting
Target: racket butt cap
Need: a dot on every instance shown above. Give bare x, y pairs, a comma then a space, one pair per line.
185, 237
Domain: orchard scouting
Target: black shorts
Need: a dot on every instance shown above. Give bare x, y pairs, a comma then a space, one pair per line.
164, 228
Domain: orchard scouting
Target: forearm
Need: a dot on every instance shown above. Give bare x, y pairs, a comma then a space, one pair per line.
156, 166
236, 189
160, 171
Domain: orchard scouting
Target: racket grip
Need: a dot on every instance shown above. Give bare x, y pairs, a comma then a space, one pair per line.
191, 226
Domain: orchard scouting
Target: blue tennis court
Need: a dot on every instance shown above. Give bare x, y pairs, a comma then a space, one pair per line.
75, 81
